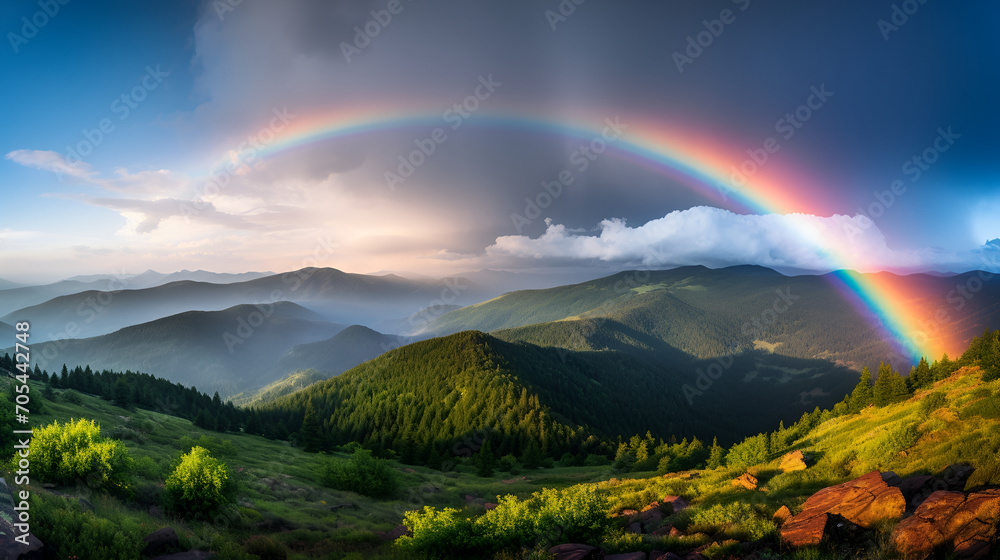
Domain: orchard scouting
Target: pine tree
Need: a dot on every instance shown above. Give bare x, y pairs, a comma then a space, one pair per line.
309, 432
889, 387
716, 455
863, 394
485, 461
532, 456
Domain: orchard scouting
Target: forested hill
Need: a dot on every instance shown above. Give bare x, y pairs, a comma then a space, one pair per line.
713, 312
440, 390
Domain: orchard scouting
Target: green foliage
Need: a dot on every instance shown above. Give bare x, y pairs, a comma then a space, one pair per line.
889, 387
485, 460
577, 514
309, 435
71, 397
200, 484
751, 451
716, 455
265, 548
863, 394
362, 473
64, 453
508, 464
70, 532
932, 402
986, 408
737, 520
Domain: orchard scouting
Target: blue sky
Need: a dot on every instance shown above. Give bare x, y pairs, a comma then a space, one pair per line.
217, 77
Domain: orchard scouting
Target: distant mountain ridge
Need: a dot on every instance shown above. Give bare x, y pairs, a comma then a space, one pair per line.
712, 312
224, 351
339, 296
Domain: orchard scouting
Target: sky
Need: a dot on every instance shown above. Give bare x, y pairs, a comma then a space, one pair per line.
233, 135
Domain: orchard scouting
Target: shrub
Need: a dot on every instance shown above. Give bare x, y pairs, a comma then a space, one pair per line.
72, 397
987, 408
439, 532
738, 520
265, 548
548, 517
63, 453
362, 473
71, 532
932, 402
200, 484
752, 451
508, 463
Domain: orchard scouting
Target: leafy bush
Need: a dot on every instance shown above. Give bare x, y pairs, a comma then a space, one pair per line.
265, 548
988, 408
752, 451
71, 532
508, 463
362, 473
577, 514
72, 397
737, 520
932, 402
63, 453
200, 484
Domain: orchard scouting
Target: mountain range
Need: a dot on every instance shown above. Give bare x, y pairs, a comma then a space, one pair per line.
337, 296
712, 312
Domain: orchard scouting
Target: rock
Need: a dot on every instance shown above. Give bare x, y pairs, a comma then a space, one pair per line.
968, 524
160, 541
804, 531
490, 505
676, 503
399, 531
662, 531
635, 527
863, 501
189, 555
657, 555
575, 552
793, 461
783, 514
892, 479
629, 513
651, 517
9, 547
675, 532
955, 476
627, 556
652, 505
916, 488
409, 470
746, 480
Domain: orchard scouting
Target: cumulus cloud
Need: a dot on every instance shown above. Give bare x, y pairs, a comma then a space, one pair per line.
716, 237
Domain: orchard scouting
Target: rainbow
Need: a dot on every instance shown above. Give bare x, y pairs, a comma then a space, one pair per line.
701, 165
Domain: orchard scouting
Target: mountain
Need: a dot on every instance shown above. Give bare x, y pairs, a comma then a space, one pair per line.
7, 334
338, 296
440, 390
295, 381
7, 284
226, 351
712, 312
352, 346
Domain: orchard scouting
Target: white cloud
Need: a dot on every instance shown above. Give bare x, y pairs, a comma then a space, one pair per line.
51, 161
715, 237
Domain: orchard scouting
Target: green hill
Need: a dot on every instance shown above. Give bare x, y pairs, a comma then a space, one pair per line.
713, 312
352, 346
439, 391
224, 351
295, 381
